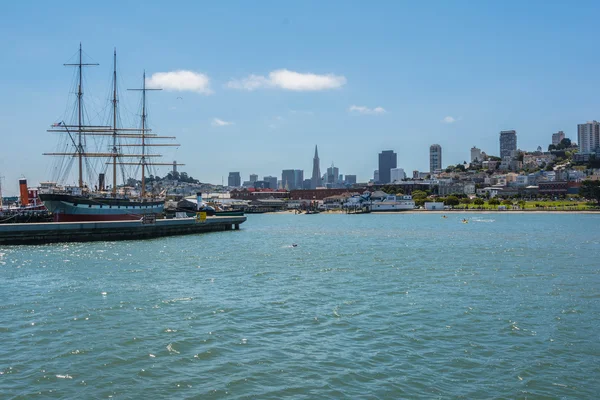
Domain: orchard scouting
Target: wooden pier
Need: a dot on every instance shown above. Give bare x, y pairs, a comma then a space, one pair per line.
56, 232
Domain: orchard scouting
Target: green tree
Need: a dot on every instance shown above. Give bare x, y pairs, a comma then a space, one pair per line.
419, 194
479, 202
452, 201
494, 202
507, 202
590, 190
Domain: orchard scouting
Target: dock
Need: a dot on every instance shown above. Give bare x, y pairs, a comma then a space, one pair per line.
57, 232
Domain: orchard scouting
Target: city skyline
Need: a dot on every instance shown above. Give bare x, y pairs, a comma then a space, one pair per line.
273, 79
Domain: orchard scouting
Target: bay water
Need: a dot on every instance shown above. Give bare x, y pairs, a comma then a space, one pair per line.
311, 307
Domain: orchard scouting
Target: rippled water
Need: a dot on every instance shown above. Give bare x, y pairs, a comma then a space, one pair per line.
366, 306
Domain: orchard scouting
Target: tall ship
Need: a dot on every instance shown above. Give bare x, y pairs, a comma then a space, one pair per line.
86, 144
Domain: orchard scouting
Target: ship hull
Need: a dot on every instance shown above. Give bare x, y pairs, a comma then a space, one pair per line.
68, 208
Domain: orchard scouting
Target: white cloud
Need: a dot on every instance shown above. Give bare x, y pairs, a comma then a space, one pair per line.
289, 80
220, 122
180, 81
366, 110
449, 120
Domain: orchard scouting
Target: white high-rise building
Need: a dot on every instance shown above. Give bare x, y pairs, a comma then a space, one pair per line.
588, 137
435, 157
476, 154
508, 143
397, 174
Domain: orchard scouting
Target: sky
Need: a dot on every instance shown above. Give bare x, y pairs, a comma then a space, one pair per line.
254, 86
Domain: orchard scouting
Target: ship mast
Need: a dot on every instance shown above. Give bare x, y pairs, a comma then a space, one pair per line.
80, 113
114, 149
143, 135
83, 130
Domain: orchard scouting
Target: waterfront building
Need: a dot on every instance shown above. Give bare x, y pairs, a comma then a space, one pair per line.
234, 179
588, 137
557, 137
508, 143
253, 178
435, 157
476, 155
397, 174
387, 161
316, 172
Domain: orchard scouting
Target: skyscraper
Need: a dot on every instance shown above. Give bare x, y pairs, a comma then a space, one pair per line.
288, 179
253, 178
272, 181
508, 143
316, 172
435, 157
234, 179
588, 137
387, 161
298, 178
332, 174
292, 179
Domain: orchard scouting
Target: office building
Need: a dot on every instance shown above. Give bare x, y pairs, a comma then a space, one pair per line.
387, 161
298, 178
292, 179
376, 176
476, 155
316, 172
332, 174
397, 174
508, 143
288, 179
557, 137
234, 179
272, 181
350, 179
435, 157
588, 137
253, 178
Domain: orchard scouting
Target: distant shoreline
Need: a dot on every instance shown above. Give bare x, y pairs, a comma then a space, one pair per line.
449, 212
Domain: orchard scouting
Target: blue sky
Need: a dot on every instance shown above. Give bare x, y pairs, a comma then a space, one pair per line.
417, 73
